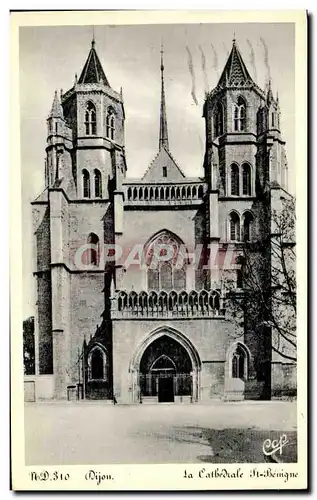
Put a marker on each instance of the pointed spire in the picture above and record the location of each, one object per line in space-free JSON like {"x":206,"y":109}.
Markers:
{"x":269,"y":95}
{"x":163,"y":141}
{"x":235,"y":71}
{"x":93,"y":71}
{"x":57,"y":110}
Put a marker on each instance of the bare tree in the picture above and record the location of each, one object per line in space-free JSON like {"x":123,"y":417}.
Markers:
{"x":264,"y":302}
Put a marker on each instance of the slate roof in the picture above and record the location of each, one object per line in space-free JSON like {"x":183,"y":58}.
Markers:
{"x":93,"y":71}
{"x":235,"y":72}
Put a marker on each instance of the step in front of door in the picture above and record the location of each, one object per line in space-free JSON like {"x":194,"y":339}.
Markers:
{"x":149,"y":399}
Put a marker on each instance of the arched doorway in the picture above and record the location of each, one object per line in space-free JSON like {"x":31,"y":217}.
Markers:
{"x":165,"y":368}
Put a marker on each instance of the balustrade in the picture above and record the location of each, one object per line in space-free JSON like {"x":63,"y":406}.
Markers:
{"x":164,"y":193}
{"x":207,"y":303}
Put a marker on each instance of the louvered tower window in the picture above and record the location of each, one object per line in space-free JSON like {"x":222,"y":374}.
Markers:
{"x":90,"y":119}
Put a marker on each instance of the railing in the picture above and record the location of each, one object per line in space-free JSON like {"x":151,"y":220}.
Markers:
{"x":154,"y":193}
{"x":205,"y":303}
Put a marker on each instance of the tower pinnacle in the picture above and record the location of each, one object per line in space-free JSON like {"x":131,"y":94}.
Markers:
{"x":57,"y":110}
{"x":163,"y":141}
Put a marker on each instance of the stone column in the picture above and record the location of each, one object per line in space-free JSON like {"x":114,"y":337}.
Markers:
{"x":135,"y":386}
{"x":60,"y":389}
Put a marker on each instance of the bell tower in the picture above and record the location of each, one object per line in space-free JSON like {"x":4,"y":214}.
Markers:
{"x":95,"y":114}
{"x":230,"y":113}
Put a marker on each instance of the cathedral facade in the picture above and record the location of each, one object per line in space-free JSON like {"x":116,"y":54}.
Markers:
{"x":131,"y":273}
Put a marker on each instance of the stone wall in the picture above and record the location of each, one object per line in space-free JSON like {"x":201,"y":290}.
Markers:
{"x":210,"y":339}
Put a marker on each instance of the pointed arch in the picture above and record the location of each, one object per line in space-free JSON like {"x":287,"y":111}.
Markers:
{"x":248,"y":220}
{"x":110,"y":123}
{"x":86,"y":183}
{"x":246,"y":179}
{"x":97,"y":183}
{"x":234,"y":226}
{"x":170,"y":332}
{"x":97,"y":363}
{"x":239,"y":115}
{"x":234,"y":179}
{"x":166,"y":234}
{"x":169,"y":363}
{"x":90,"y":118}
{"x":169,"y":274}
{"x":238,"y":360}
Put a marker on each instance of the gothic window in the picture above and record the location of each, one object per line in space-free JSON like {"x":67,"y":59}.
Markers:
{"x":239,"y":115}
{"x":164,"y":171}
{"x":273,"y":120}
{"x":97,"y":363}
{"x":86,"y":183}
{"x":246,"y":179}
{"x":234,"y":179}
{"x":90,"y":119}
{"x":166,"y":274}
{"x":110,"y":124}
{"x":218,"y":120}
{"x":98,"y":183}
{"x":234,"y":225}
{"x":247,"y":226}
{"x":153,"y":279}
{"x":93,"y":250}
{"x":239,"y":363}
{"x":179,"y":279}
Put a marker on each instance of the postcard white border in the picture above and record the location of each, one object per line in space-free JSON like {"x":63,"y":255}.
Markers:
{"x":156,"y":477}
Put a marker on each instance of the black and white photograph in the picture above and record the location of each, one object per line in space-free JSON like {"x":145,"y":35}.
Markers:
{"x":160,"y":222}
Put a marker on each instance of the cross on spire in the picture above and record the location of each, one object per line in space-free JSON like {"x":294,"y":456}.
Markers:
{"x":163,"y":140}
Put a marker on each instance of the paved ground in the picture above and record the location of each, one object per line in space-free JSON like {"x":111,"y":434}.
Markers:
{"x":95,"y":433}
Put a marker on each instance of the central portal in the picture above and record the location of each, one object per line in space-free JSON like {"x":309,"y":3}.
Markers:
{"x":166,"y":389}
{"x":165,"y":372}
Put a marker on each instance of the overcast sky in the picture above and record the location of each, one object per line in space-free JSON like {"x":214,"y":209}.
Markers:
{"x":50,"y":57}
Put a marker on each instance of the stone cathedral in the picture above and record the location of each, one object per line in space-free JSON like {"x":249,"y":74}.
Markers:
{"x":115,"y":318}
